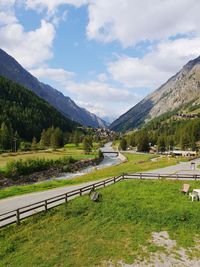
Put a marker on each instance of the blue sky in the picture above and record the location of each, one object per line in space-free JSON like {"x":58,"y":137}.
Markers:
{"x":105,"y":55}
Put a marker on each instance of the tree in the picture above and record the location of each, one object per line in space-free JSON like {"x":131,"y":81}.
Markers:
{"x":87,"y":146}
{"x":34,"y":144}
{"x":76,"y":138}
{"x":143,"y":142}
{"x":185,"y":141}
{"x":56,"y":138}
{"x":123,"y":144}
{"x":5,"y":137}
{"x":25,"y":146}
{"x":161,"y":144}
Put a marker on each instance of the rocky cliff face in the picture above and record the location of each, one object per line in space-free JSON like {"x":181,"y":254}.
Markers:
{"x":12,"y":70}
{"x":178,"y":91}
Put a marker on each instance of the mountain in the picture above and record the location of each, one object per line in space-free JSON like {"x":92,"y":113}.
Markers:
{"x":180,"y":90}
{"x":27,"y":113}
{"x":12,"y":70}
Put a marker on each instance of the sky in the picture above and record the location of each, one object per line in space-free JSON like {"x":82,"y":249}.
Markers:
{"x":105,"y":54}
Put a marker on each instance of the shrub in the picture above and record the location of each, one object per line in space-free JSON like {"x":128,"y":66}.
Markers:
{"x":23,"y":167}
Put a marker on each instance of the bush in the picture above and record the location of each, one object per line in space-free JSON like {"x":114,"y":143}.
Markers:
{"x":100,"y":154}
{"x":23,"y":167}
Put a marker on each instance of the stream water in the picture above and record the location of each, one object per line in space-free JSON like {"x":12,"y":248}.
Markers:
{"x":109,"y":160}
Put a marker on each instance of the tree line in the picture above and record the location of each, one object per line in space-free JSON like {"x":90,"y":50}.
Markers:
{"x":165,"y":135}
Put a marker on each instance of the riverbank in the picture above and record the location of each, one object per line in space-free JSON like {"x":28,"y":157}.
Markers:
{"x":49,"y":174}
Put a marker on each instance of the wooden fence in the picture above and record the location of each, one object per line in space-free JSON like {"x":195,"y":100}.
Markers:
{"x":162,"y":176}
{"x":15,"y":216}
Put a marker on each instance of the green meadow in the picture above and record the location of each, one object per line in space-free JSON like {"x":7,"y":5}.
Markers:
{"x":118,"y":228}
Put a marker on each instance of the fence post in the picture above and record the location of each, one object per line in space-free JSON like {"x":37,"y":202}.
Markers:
{"x":140,"y":176}
{"x":45,"y":205}
{"x":66,"y":198}
{"x":104,"y":183}
{"x":17,"y":216}
{"x":114,"y":179}
{"x":158,"y":176}
{"x":80,"y":192}
{"x":123,"y":176}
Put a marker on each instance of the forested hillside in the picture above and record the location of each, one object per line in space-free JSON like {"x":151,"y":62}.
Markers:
{"x":168,"y":131}
{"x":27,"y":114}
{"x":13,"y":71}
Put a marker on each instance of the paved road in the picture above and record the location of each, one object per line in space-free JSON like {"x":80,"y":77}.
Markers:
{"x":181,"y":168}
{"x":13,"y":203}
{"x":16,"y":202}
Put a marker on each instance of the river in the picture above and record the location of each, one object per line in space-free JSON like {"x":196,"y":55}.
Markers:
{"x":109,"y":160}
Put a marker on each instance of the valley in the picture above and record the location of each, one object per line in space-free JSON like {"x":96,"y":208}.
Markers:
{"x":99,"y":133}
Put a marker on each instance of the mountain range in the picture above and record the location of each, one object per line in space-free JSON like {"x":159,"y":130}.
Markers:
{"x":27,"y":114}
{"x":12,"y":70}
{"x":180,"y":90}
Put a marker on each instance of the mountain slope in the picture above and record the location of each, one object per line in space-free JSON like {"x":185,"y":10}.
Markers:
{"x":12,"y":70}
{"x":178,"y":91}
{"x":27,"y":113}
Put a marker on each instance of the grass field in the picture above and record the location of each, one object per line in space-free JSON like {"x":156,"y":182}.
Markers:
{"x":136,"y":163}
{"x":69,"y":150}
{"x":119,"y":227}
{"x":51,"y":154}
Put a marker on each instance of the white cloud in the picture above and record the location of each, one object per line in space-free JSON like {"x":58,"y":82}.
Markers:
{"x":133,"y":21}
{"x":52,"y":5}
{"x":108,"y":112}
{"x":57,"y":75}
{"x":163,"y":61}
{"x":102,"y":98}
{"x":7,"y":15}
{"x":98,"y":97}
{"x":102,"y":77}
{"x":100,"y":91}
{"x":29,"y":48}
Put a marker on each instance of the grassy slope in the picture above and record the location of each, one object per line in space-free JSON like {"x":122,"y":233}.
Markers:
{"x":136,"y":163}
{"x":84,"y":233}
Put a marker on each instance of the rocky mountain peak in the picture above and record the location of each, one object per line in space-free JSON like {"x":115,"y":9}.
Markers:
{"x":179,"y":90}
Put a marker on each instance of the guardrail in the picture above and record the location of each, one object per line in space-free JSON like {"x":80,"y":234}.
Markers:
{"x":15,"y":216}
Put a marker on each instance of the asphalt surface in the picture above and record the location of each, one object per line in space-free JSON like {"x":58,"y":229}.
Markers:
{"x":181,"y":168}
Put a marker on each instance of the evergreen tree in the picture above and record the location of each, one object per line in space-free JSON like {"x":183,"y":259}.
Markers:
{"x":143,"y":142}
{"x":43,"y":141}
{"x":34,"y":144}
{"x":123,"y":144}
{"x":56,"y":138}
{"x":76,"y":138}
{"x":5,"y":137}
{"x":161,"y":144}
{"x":87,"y":147}
{"x":185,"y":141}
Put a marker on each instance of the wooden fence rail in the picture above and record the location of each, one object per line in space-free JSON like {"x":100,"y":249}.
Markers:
{"x":15,"y":216}
{"x":161,"y":176}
